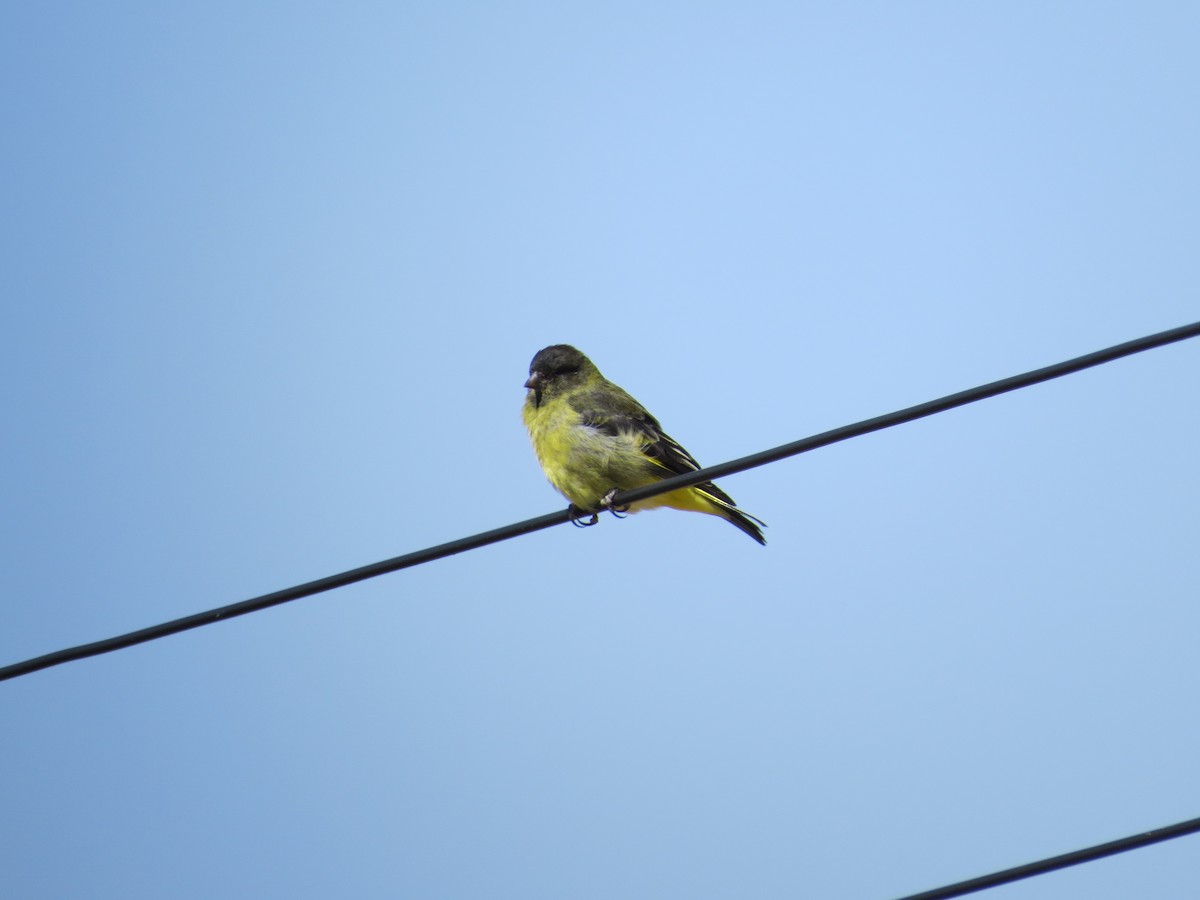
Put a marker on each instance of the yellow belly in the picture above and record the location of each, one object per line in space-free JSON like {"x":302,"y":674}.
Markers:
{"x":584,"y":463}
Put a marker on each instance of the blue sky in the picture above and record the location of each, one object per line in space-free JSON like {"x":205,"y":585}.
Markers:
{"x":273,"y":275}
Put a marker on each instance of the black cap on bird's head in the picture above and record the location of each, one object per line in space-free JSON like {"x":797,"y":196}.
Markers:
{"x":555,"y":367}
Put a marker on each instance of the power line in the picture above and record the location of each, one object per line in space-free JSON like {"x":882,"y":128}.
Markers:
{"x":962,"y":398}
{"x":516,"y":529}
{"x":307,"y":589}
{"x":1029,"y":870}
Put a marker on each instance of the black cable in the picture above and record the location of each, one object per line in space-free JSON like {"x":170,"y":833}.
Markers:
{"x":1029,"y":870}
{"x":962,"y":398}
{"x":668,"y":484}
{"x":283,"y":596}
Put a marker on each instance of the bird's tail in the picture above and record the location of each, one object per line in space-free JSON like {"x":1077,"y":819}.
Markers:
{"x":747,"y":523}
{"x":710,"y":499}
{"x":722,"y":505}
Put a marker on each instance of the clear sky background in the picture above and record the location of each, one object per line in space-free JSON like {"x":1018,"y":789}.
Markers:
{"x":272,"y":277}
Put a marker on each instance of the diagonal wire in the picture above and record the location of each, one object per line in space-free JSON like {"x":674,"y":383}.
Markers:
{"x":516,"y":529}
{"x":920,"y":411}
{"x":1074,"y":858}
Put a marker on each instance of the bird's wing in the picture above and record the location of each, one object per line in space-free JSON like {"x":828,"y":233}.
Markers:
{"x":659,"y":447}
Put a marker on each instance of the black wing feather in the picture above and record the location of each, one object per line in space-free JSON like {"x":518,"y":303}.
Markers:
{"x":659,"y":445}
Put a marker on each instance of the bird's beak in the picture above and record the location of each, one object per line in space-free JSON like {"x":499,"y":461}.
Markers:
{"x":535,"y":384}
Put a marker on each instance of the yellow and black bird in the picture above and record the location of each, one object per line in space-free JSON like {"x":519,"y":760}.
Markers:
{"x":594,"y":440}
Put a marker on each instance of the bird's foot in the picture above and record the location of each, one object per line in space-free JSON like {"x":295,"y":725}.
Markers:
{"x":578,"y":517}
{"x":607,"y":503}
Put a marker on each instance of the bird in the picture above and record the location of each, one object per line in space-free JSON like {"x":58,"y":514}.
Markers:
{"x":593,"y":440}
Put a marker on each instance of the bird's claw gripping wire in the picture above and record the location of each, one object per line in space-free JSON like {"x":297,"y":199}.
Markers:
{"x":577,"y":517}
{"x":580,"y":517}
{"x":606,"y":502}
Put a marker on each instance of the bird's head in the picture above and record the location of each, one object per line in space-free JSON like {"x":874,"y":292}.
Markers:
{"x":556,"y":369}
